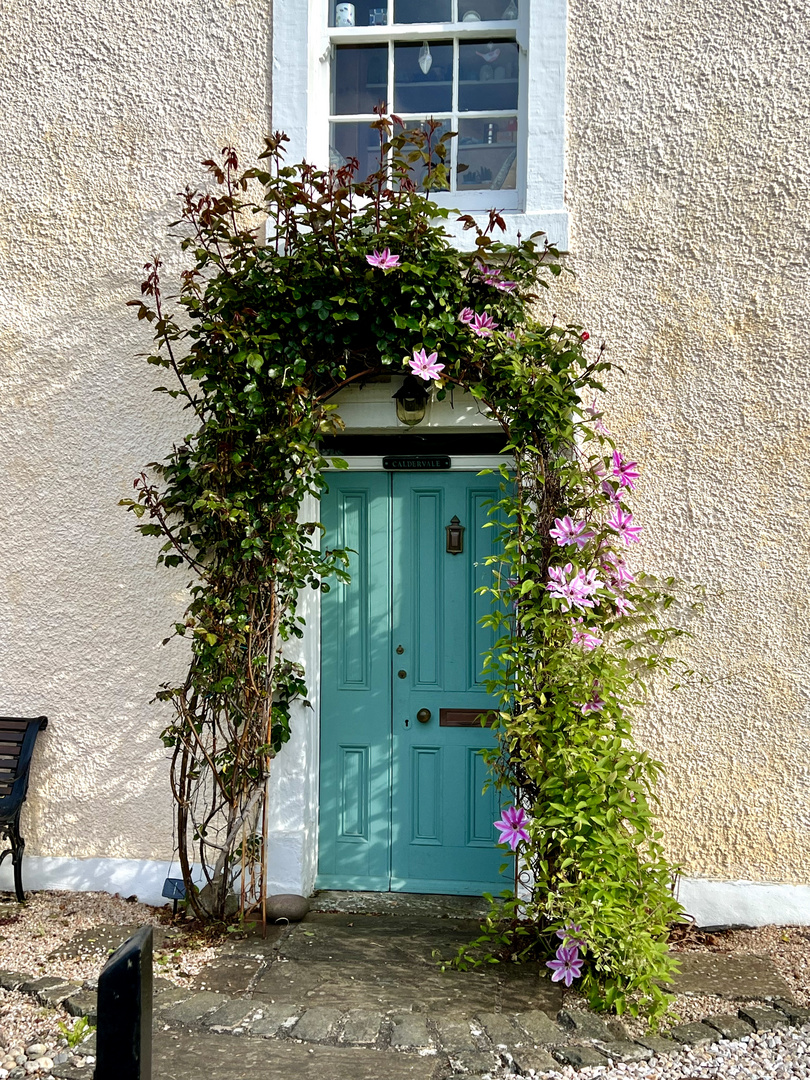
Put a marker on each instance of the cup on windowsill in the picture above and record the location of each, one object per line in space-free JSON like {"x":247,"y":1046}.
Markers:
{"x":344,"y":15}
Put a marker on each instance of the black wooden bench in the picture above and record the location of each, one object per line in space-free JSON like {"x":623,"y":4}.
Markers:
{"x":17,"y":737}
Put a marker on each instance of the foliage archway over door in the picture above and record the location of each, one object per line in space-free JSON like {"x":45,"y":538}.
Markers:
{"x":354,"y":278}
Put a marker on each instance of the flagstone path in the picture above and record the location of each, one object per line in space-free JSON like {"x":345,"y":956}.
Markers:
{"x":359,"y":994}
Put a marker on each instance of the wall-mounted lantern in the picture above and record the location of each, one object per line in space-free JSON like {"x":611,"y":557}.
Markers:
{"x":455,"y":536}
{"x":411,"y":399}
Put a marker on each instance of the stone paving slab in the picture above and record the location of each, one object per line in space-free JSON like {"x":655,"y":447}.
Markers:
{"x":500,"y":1029}
{"x":361,"y":1028}
{"x":579,"y":1056}
{"x":624,"y":1050}
{"x":764,"y":1019}
{"x":659,"y":1045}
{"x":729,"y":975}
{"x":84,"y":1003}
{"x":206,"y":1056}
{"x":232,"y":1014}
{"x":195,"y":1008}
{"x":274,"y":1019}
{"x":729,"y":1026}
{"x":410,"y":1032}
{"x":541,"y":1028}
{"x":694,"y":1034}
{"x":455,"y":1035}
{"x":416,"y":904}
{"x":406,"y":987}
{"x":316,"y":1025}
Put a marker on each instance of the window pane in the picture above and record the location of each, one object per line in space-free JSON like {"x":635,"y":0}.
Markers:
{"x":419,"y":168}
{"x":423,"y":78}
{"x":362,"y":13}
{"x":356,"y":140}
{"x":359,"y":78}
{"x":488,"y":148}
{"x":488,"y":76}
{"x":418,"y":11}
{"x":487,"y":10}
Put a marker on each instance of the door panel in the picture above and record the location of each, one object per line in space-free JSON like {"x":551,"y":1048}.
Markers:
{"x":420,"y":648}
{"x":354,"y":835}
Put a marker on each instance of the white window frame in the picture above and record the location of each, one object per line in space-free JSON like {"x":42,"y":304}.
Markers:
{"x":302,"y":50}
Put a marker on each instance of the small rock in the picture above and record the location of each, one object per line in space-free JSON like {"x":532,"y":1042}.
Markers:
{"x":44,"y":1063}
{"x":288,"y":906}
{"x":35,"y":1050}
{"x":17,"y":1074}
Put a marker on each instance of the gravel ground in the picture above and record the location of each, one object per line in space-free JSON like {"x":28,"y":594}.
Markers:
{"x":31,"y":1037}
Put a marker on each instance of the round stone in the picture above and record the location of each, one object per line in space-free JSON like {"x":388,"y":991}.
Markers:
{"x":35,"y":1050}
{"x":288,"y":906}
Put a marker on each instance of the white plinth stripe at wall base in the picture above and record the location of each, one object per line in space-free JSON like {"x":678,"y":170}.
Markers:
{"x":744,"y":903}
{"x":710,"y":903}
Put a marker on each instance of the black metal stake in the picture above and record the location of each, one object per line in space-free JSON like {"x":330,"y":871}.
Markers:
{"x":124,"y":1034}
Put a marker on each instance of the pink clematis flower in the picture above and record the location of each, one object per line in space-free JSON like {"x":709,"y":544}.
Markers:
{"x":575,"y":591}
{"x":567,"y":966}
{"x":566,"y":532}
{"x":625,"y":471}
{"x":383,"y":260}
{"x":482,"y":325}
{"x":504,"y":286}
{"x":512,"y":826}
{"x":623,"y":524}
{"x":466,"y":315}
{"x":594,"y":414}
{"x":511,"y":335}
{"x":583,"y":637}
{"x":595,"y":704}
{"x":623,"y":606}
{"x":425,"y":366}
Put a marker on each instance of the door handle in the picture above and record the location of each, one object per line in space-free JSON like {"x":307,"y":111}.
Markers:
{"x":423,"y":716}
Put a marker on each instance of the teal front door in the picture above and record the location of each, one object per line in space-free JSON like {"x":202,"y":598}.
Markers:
{"x":401,"y":801}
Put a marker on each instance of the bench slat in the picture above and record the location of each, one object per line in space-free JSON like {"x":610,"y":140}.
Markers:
{"x":10,"y":749}
{"x":12,"y":725}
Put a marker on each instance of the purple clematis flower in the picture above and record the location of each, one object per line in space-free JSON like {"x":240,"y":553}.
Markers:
{"x":623,"y":524}
{"x":383,"y":260}
{"x":466,"y":315}
{"x":570,"y":936}
{"x":625,"y":471}
{"x":511,"y":826}
{"x":567,"y":966}
{"x":610,"y":492}
{"x":504,"y":286}
{"x":566,"y":532}
{"x":482,"y":325}
{"x":425,"y":366}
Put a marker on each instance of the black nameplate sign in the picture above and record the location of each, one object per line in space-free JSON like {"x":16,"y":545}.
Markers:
{"x":422,"y":461}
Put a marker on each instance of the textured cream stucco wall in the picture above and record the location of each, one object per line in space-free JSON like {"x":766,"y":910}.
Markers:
{"x":107,"y":110}
{"x":687,"y":181}
{"x":689,"y":144}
